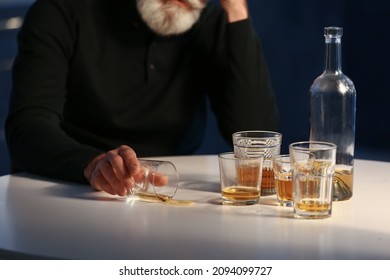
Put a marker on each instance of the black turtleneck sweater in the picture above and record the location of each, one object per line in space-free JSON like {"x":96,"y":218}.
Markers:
{"x":90,"y":76}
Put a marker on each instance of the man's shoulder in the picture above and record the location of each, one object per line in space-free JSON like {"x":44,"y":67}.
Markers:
{"x":213,"y":9}
{"x":212,"y":13}
{"x":64,"y":7}
{"x":69,"y":4}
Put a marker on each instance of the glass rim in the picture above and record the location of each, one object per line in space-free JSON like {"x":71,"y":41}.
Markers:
{"x":274,"y":133}
{"x":265,"y":139}
{"x":282,"y":156}
{"x":323,"y":146}
{"x":282,"y":159}
{"x":232,"y":156}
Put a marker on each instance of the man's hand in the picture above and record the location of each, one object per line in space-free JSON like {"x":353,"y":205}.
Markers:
{"x":235,"y":9}
{"x":114,"y":171}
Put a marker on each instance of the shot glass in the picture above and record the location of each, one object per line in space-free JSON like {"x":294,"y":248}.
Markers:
{"x":157,"y":182}
{"x":240,"y":179}
{"x":313,"y":170}
{"x":263,"y":143}
{"x":283,"y":179}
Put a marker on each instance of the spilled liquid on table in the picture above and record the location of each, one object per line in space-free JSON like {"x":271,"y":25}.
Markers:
{"x":152,"y":197}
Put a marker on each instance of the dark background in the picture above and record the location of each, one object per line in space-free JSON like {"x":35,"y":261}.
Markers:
{"x":292,"y":39}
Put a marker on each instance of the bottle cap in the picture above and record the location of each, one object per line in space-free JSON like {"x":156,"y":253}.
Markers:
{"x":333,"y":31}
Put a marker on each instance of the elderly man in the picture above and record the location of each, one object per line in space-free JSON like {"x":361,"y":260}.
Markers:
{"x":99,"y":83}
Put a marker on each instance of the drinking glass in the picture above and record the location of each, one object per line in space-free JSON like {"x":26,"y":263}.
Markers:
{"x":240,"y":179}
{"x":283,"y":179}
{"x":313,"y":169}
{"x":158,"y":181}
{"x":264,"y":143}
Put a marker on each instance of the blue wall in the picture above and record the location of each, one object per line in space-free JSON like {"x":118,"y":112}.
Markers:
{"x":8,"y":9}
{"x":292,"y":38}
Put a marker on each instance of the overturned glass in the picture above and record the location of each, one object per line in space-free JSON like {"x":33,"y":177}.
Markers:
{"x":158,"y":181}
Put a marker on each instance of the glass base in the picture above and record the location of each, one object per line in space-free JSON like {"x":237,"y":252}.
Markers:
{"x":239,"y":202}
{"x":312,"y":215}
{"x":340,"y":192}
{"x":287,"y":203}
{"x":342,"y":184}
{"x":267,"y":191}
{"x":341,"y":198}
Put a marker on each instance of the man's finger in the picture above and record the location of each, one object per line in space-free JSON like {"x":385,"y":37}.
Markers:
{"x":158,"y":179}
{"x":130,"y":160}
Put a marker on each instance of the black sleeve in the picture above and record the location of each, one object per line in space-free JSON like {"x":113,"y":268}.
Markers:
{"x":242,"y":96}
{"x":34,"y":136}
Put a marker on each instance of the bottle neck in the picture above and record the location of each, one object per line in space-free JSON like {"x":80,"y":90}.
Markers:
{"x":333,"y":55}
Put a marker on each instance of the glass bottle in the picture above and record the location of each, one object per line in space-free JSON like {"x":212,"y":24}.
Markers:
{"x":333,"y":113}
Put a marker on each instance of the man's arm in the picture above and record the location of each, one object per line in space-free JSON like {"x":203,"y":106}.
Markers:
{"x":35,"y":139}
{"x":241,"y":93}
{"x":236,"y":10}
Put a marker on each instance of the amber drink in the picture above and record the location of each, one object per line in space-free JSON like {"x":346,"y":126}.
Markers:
{"x":342,"y":183}
{"x":240,"y":179}
{"x":239,"y":194}
{"x":264,"y":143}
{"x":313,"y":166}
{"x":283,"y":179}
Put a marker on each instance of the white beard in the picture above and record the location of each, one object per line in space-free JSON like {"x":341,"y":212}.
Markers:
{"x":167,"y":18}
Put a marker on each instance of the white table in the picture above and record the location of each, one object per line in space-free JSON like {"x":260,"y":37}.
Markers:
{"x":51,"y":219}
